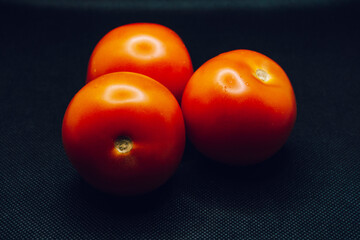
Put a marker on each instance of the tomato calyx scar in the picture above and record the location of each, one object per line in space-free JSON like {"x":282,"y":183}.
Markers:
{"x":123,"y":144}
{"x":262,"y":75}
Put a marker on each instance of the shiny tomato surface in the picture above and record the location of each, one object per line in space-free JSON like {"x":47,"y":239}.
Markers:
{"x":124,"y":133}
{"x":239,"y":108}
{"x":147,"y":48}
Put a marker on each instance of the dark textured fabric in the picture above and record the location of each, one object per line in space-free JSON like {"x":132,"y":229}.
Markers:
{"x":309,"y":189}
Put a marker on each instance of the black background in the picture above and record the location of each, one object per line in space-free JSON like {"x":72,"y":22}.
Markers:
{"x":309,"y":189}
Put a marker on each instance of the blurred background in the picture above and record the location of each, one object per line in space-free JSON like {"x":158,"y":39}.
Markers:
{"x":309,"y":189}
{"x":179,"y":4}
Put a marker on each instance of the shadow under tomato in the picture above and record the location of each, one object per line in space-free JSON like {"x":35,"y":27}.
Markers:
{"x":247,"y":189}
{"x":277,"y":166}
{"x":125,"y":204}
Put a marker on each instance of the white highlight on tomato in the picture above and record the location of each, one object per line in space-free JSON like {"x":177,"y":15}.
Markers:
{"x":145,"y":47}
{"x":123,"y":93}
{"x":230,"y":80}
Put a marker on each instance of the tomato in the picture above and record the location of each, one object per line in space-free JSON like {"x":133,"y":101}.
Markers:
{"x":239,"y":108}
{"x":150,"y":49}
{"x":124,"y":133}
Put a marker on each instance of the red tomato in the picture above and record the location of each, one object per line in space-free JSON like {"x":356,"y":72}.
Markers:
{"x":124,"y":133}
{"x":150,"y":49}
{"x":239,"y":107}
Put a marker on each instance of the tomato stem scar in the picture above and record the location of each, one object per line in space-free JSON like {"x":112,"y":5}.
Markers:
{"x":262,"y":75}
{"x":123,"y":144}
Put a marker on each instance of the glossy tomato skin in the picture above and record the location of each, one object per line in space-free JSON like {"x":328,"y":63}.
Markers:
{"x":239,"y":108}
{"x":124,"y":106}
{"x":147,"y":48}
